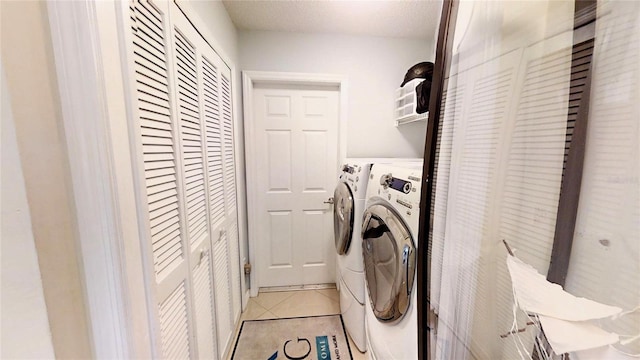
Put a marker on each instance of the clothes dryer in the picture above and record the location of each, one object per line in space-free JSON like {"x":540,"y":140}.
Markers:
{"x":349,"y":202}
{"x":389,"y":246}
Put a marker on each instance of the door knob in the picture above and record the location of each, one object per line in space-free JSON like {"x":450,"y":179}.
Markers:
{"x":329,"y":201}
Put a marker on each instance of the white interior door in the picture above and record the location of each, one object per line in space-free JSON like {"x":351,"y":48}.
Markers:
{"x":296,"y":162}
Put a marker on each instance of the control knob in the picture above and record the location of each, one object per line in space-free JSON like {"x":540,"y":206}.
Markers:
{"x":385,"y":180}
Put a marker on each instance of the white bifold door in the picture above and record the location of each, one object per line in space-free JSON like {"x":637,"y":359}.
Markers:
{"x":184,"y":143}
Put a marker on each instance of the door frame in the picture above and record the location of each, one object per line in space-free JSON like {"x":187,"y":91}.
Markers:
{"x":249,"y":81}
{"x":94,"y":118}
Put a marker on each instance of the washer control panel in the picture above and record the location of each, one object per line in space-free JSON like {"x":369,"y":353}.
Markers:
{"x":356,"y":175}
{"x":352,"y":173}
{"x":348,"y":168}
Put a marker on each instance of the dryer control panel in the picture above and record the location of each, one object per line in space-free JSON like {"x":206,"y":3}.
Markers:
{"x":400,"y":187}
{"x":404,"y":186}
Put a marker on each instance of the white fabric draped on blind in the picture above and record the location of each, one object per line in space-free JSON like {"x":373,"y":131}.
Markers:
{"x":500,"y":168}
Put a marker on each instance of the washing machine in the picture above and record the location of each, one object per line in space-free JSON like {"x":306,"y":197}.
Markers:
{"x":349,"y":202}
{"x":389,"y":247}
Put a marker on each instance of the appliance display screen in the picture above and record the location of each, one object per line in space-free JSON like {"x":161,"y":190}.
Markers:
{"x":398,"y":184}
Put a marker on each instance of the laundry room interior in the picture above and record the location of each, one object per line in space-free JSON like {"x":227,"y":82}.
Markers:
{"x":234,"y":179}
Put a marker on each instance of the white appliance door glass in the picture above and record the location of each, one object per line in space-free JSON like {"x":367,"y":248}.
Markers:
{"x":389,"y":262}
{"x":343,"y":217}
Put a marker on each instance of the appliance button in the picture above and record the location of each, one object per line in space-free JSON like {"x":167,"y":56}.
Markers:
{"x":404,"y":203}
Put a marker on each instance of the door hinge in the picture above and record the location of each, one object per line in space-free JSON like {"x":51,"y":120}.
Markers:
{"x":247,"y":268}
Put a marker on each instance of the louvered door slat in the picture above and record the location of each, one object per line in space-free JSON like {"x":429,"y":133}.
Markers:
{"x":152,"y":89}
{"x":152,"y":105}
{"x":149,"y":50}
{"x":161,"y":205}
{"x":150,"y":63}
{"x":143,"y":76}
{"x":155,"y":132}
{"x":161,"y":190}
{"x":160,"y":164}
{"x":166,"y":234}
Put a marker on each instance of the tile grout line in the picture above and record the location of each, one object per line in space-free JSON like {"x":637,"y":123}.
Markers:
{"x":278,"y":303}
{"x":327,"y":296}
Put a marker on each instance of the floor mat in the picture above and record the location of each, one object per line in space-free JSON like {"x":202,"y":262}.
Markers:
{"x":310,"y":337}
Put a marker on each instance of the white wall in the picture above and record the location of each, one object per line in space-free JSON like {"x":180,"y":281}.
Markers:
{"x":219,"y":27}
{"x":374,"y":67}
{"x":25,"y":326}
{"x":31,"y":80}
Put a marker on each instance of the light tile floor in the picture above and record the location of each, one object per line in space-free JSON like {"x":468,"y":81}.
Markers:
{"x":283,"y":304}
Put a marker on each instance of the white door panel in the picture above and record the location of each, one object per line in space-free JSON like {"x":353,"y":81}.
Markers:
{"x":296,"y":157}
{"x":157,"y":146}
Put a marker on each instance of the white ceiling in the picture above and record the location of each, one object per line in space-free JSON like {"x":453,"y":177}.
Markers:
{"x":390,"y":18}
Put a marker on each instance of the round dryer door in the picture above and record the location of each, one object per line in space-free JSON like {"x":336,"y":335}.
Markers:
{"x":389,"y":262}
{"x":342,"y":217}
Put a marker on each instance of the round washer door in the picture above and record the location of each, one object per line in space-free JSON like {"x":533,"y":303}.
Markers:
{"x":342,"y":217}
{"x":389,"y":262}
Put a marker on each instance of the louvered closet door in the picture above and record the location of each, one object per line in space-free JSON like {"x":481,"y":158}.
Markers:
{"x":222,"y":194}
{"x":216,"y":197}
{"x":188,"y":48}
{"x":159,"y":155}
{"x":206,"y":123}
{"x":230,"y":189}
{"x":184,"y":138}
